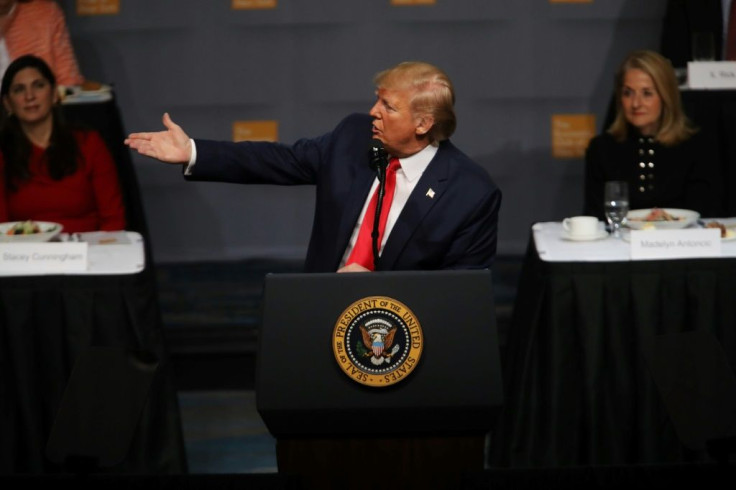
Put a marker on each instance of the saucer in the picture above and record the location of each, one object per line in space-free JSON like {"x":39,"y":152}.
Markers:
{"x":584,"y":238}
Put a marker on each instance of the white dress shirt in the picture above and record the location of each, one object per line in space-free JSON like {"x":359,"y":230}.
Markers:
{"x":407,"y":177}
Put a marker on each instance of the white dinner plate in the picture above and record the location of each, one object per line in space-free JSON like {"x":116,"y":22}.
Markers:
{"x":75,"y":95}
{"x":685,"y":218}
{"x":728,"y":223}
{"x":48,"y":231}
{"x":584,"y":238}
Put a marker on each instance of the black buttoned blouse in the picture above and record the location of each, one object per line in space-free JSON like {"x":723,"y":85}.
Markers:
{"x":681,"y":176}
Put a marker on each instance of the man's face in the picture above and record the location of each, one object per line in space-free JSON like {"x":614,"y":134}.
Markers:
{"x":401,"y":133}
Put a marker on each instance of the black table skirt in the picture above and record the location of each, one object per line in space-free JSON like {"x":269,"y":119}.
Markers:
{"x":578,"y":391}
{"x":45,"y":323}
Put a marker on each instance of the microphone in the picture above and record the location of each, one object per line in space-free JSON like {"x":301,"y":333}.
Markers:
{"x":379,"y":157}
{"x":379,"y":163}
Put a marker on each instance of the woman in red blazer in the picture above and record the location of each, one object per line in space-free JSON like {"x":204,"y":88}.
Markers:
{"x":50,"y":172}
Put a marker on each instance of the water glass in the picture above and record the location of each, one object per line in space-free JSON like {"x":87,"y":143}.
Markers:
{"x":703,"y":46}
{"x":616,"y":204}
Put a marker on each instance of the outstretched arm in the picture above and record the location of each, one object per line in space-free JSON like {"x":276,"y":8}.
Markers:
{"x":170,"y":146}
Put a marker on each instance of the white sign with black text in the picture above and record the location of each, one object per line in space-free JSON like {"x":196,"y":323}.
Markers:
{"x":711,"y":74}
{"x":46,"y":258}
{"x":675,"y":244}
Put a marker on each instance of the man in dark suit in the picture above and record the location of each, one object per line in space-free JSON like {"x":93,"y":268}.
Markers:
{"x":445,"y":211}
{"x":683,"y":19}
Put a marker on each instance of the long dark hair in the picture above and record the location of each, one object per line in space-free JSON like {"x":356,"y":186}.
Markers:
{"x":62,"y":153}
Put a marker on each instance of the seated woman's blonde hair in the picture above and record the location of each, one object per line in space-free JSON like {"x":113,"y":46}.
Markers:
{"x":674,"y":126}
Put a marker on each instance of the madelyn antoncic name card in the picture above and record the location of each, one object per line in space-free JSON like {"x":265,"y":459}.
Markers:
{"x":675,"y":244}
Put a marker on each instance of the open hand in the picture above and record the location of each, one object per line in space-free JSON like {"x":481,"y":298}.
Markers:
{"x":170,"y":146}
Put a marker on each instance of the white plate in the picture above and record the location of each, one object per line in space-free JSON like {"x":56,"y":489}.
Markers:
{"x":584,"y":238}
{"x":686,"y":218}
{"x":727,"y":222}
{"x":48,"y":231}
{"x":75,"y":95}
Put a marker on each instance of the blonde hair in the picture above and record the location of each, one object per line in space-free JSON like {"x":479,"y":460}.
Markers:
{"x":433,"y":94}
{"x":674,"y":126}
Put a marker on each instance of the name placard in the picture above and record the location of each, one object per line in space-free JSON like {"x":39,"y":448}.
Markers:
{"x":675,"y":244}
{"x":711,"y":74}
{"x":43,"y":258}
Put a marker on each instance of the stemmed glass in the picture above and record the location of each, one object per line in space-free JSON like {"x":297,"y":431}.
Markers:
{"x":616,"y":204}
{"x":703,"y":46}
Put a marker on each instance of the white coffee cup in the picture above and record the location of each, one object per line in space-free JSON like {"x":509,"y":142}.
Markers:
{"x":581,"y":226}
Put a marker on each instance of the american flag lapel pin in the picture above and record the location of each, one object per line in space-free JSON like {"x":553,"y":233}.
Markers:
{"x":430,"y":193}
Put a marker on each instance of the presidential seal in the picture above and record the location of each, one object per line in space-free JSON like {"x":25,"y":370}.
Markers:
{"x":377,"y":341}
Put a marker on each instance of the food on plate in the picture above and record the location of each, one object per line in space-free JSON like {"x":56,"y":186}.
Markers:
{"x":716,"y":224}
{"x":90,"y":86}
{"x":28,"y":227}
{"x":657,"y":214}
{"x":24,"y":228}
{"x":725,"y":232}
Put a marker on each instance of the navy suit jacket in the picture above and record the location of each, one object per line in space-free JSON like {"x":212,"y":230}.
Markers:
{"x":449,"y":221}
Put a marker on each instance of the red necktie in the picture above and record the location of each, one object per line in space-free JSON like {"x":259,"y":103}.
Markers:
{"x":731,"y":34}
{"x":363,"y":250}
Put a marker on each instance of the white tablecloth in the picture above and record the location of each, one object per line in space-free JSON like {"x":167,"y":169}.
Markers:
{"x":552,"y":247}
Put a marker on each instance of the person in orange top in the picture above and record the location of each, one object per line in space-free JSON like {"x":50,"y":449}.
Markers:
{"x":38,"y":27}
{"x":49,"y":172}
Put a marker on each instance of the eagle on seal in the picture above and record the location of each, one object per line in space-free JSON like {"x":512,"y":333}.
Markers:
{"x":378,"y":340}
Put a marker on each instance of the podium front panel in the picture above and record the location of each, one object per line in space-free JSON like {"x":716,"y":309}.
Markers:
{"x":454,"y":388}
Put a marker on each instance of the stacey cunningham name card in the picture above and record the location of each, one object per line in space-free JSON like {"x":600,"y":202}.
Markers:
{"x":675,"y":244}
{"x":43,"y":258}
